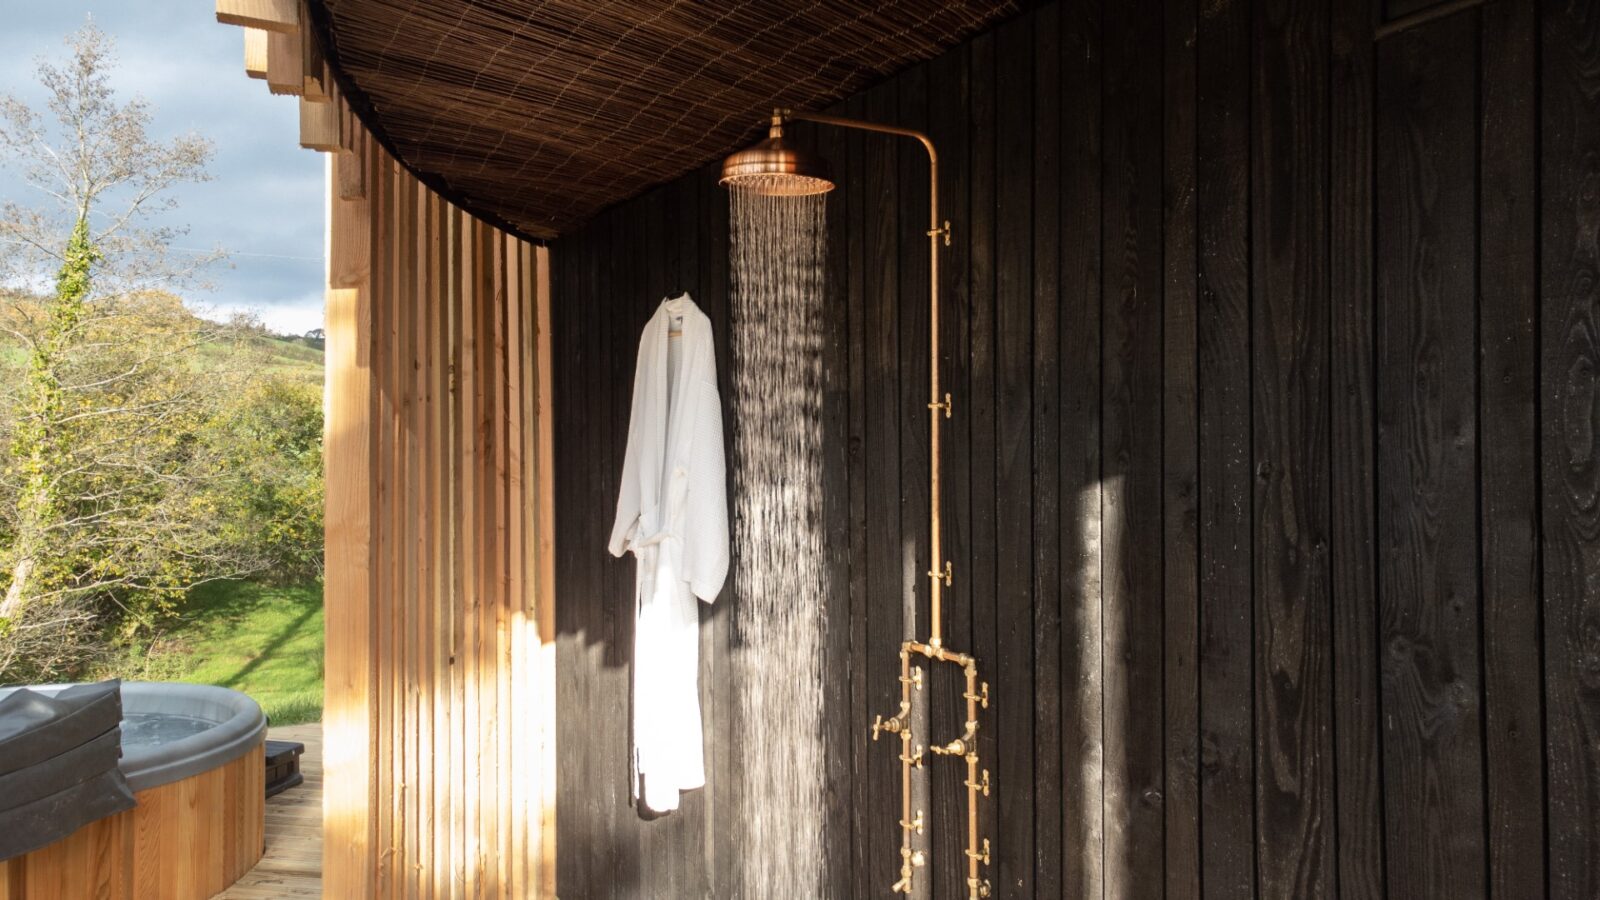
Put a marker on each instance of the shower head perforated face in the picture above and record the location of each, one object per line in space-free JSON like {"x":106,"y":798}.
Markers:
{"x":776,"y":168}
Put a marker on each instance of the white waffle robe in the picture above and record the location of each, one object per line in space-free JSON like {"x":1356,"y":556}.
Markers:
{"x":672,"y":514}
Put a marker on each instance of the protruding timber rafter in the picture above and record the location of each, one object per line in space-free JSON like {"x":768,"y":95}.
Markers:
{"x":279,"y":47}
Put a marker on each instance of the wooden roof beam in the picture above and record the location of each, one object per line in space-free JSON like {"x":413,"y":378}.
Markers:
{"x":255,"y":53}
{"x":269,"y":15}
{"x":285,"y":67}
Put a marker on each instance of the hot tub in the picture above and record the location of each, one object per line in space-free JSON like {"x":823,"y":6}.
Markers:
{"x":193,"y":756}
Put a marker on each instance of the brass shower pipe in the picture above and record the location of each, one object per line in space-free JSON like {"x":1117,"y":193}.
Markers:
{"x":940,"y":572}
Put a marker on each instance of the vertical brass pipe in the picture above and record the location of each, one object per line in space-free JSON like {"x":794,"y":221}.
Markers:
{"x":939,"y":573}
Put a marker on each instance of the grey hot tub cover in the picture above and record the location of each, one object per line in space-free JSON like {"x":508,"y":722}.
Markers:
{"x":58,"y":764}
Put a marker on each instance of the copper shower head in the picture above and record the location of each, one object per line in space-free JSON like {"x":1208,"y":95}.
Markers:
{"x":777,"y":168}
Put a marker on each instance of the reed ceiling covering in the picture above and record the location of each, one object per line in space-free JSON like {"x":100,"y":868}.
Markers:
{"x":540,"y":114}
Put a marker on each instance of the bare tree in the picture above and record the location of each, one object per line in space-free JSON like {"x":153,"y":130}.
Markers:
{"x":107,"y":471}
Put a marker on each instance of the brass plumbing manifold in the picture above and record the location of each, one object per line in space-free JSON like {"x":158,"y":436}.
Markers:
{"x":940,"y":576}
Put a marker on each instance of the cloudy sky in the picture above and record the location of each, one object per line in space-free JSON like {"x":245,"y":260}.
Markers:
{"x":265,"y":204}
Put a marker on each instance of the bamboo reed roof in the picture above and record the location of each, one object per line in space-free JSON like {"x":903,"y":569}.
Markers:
{"x":540,"y":113}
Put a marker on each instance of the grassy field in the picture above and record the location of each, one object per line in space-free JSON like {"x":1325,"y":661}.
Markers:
{"x":262,"y":640}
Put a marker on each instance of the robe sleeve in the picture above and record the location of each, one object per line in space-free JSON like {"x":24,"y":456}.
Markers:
{"x":628,"y":495}
{"x":706,"y":548}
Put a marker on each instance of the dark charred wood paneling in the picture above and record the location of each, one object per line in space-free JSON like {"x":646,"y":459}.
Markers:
{"x":1270,"y":490}
{"x":1569,"y":415}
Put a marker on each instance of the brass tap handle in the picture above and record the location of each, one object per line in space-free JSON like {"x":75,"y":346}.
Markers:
{"x":980,"y":857}
{"x":982,"y":784}
{"x":893,"y":725}
{"x":981,"y":697}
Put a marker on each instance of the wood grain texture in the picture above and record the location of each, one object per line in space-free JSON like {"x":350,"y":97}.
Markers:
{"x":1226,"y":630}
{"x":186,"y":840}
{"x":1078,"y":431}
{"x":1131,"y":477}
{"x":436,"y":652}
{"x":1180,"y":453}
{"x":1186,"y":262}
{"x":1045,"y":453}
{"x":1352,"y":432}
{"x":1289,"y":381}
{"x":1427,"y":519}
{"x":1508,"y":510}
{"x":1569,"y":349}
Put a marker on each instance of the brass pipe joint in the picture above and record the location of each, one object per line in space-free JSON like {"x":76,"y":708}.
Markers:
{"x":982,"y":784}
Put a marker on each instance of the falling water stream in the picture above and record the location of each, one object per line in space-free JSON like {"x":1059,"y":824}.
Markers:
{"x":777,"y":248}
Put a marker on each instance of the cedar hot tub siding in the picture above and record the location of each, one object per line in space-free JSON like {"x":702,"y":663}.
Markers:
{"x":1270,"y":480}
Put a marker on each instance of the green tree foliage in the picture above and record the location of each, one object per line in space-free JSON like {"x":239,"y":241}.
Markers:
{"x":271,"y":439}
{"x":143,"y":450}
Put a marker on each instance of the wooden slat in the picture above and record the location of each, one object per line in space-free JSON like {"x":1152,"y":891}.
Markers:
{"x":255,"y":52}
{"x":1222,"y":125}
{"x":316,"y":84}
{"x":269,"y":15}
{"x":1048,"y":489}
{"x":1508,"y":349}
{"x":1012,"y":675}
{"x":1569,"y":350}
{"x":1289,"y":324}
{"x":320,"y":126}
{"x":1179,"y":453}
{"x":182,"y":841}
{"x":285,"y":74}
{"x":1427,"y":517}
{"x":452,"y":694}
{"x":347,"y":705}
{"x":1131,"y":465}
{"x":1353,"y":550}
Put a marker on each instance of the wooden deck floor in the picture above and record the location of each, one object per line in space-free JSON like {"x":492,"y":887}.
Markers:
{"x":292,"y":865}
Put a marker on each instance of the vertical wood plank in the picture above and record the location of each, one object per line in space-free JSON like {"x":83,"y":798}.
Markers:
{"x":1427,"y":458}
{"x":981,"y":429}
{"x":1508,"y":415}
{"x":1353,"y":542}
{"x":544,"y":350}
{"x":1179,"y":453}
{"x":1289,"y":355}
{"x":885,"y":565}
{"x":1045,"y":451}
{"x":1082,"y":766}
{"x":1131,"y":461}
{"x":383,"y":650}
{"x":1226,"y":658}
{"x":347,"y":705}
{"x":1013,"y":675}
{"x":1569,"y":283}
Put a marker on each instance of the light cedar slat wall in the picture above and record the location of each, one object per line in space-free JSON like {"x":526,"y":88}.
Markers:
{"x":438,"y":719}
{"x":439,"y":666}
